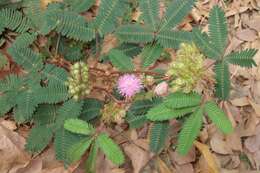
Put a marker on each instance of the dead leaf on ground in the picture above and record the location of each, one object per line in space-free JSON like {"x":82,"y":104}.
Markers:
{"x":180,"y":160}
{"x":247,"y":35}
{"x":163,"y":168}
{"x":204,"y":149}
{"x":138,"y":156}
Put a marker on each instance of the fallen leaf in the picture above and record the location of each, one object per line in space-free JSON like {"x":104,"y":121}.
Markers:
{"x":163,"y":168}
{"x":12,"y":154}
{"x":204,"y":149}
{"x":247,"y":35}
{"x":243,"y":101}
{"x":219,"y":145}
{"x":138,"y":156}
{"x":253,"y":23}
{"x":186,"y":168}
{"x":179,"y":159}
{"x":256,"y":107}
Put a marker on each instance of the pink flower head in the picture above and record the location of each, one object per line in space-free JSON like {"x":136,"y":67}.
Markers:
{"x":128,"y":85}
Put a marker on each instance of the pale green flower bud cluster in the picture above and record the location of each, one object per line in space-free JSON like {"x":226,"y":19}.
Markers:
{"x":113,"y":113}
{"x":187,"y":70}
{"x":78,"y":81}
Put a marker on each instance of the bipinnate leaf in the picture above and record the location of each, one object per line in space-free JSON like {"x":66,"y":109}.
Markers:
{"x":243,"y":58}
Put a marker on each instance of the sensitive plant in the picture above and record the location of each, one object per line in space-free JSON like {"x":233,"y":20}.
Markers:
{"x":48,"y":41}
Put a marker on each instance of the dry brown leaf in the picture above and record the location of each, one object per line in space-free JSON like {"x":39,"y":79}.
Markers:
{"x":256,"y":107}
{"x":12,"y":154}
{"x":35,"y":166}
{"x":179,"y":159}
{"x":204,"y":149}
{"x":163,"y":168}
{"x":11,"y":125}
{"x":254,"y":23}
{"x":247,"y":35}
{"x":186,"y":168}
{"x":243,"y":101}
{"x":233,"y":140}
{"x":219,"y":145}
{"x":138,"y":156}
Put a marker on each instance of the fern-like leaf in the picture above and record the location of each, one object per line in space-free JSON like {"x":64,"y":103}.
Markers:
{"x":78,"y":126}
{"x":53,"y":94}
{"x":26,"y":57}
{"x":135,"y":34}
{"x":39,"y":137}
{"x":108,"y":14}
{"x":91,"y":109}
{"x":189,"y":132}
{"x":111,"y":149}
{"x":63,"y":141}
{"x":218,"y":28}
{"x":158,"y":136}
{"x":68,"y":24}
{"x":243,"y":58}
{"x":172,"y":39}
{"x":203,"y":42}
{"x":14,"y":20}
{"x":218,"y":117}
{"x":162,"y":112}
{"x":120,"y":60}
{"x":150,"y":12}
{"x":182,"y":100}
{"x":79,"y":6}
{"x":222,"y":80}
{"x":76,"y":151}
{"x":175,"y":13}
{"x":150,"y":54}
{"x":92,"y":157}
{"x":45,"y":115}
{"x":24,"y":40}
{"x":130,"y":49}
{"x":55,"y":75}
{"x":70,"y":109}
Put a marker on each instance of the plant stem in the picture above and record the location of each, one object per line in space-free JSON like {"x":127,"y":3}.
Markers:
{"x":57,"y":46}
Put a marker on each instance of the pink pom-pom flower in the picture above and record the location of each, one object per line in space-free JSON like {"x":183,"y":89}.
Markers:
{"x":129,"y":85}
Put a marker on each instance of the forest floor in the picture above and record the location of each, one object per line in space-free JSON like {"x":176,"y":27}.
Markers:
{"x":215,"y":153}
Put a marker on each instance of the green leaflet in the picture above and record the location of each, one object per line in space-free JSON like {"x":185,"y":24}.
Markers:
{"x":150,"y":12}
{"x":172,"y":39}
{"x":189,"y":132}
{"x":181,"y":100}
{"x":90,"y":165}
{"x":80,"y":6}
{"x":150,"y":54}
{"x":76,"y":151}
{"x":175,"y":13}
{"x":162,"y":112}
{"x":218,"y":28}
{"x":110,"y":11}
{"x":223,"y":80}
{"x":203,"y":42}
{"x":218,"y":117}
{"x":111,"y":149}
{"x":120,"y":60}
{"x":91,"y":109}
{"x":70,"y":109}
{"x":135,"y":34}
{"x":243,"y":58}
{"x":63,"y":141}
{"x":3,"y":61}
{"x":39,"y":137}
{"x":158,"y":136}
{"x":78,"y":126}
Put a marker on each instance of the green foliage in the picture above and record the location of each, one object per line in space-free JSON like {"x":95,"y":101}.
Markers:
{"x":150,"y":12}
{"x":135,"y":115}
{"x":3,"y":61}
{"x":91,"y":109}
{"x":77,"y":150}
{"x":218,"y":117}
{"x":158,"y":136}
{"x":120,"y":60}
{"x":14,"y":20}
{"x":38,"y":139}
{"x":135,"y":34}
{"x":223,"y":81}
{"x":90,"y":165}
{"x":109,"y":12}
{"x":111,"y":149}
{"x":243,"y":58}
{"x":150,"y":54}
{"x":213,"y":46}
{"x":181,"y":100}
{"x":79,"y":6}
{"x":189,"y":132}
{"x":218,"y":28}
{"x":175,"y":13}
{"x":78,"y":126}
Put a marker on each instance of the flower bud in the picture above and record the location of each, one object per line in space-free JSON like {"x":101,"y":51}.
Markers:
{"x":161,"y":89}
